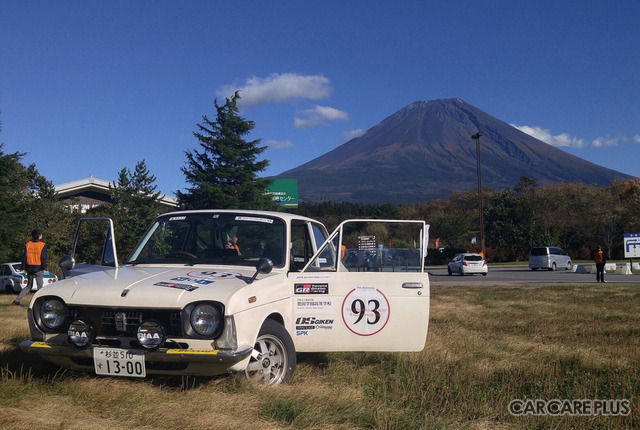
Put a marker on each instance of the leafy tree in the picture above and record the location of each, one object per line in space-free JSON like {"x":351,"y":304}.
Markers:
{"x":13,"y":205}
{"x":134,"y":206}
{"x":224,"y":173}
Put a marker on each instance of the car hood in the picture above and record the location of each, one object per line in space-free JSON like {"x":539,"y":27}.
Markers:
{"x":152,"y":286}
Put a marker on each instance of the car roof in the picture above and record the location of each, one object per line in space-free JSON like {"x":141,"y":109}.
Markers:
{"x":284,"y":215}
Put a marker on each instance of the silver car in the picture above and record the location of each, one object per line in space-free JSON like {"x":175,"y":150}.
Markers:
{"x":467,"y":264}
{"x":549,"y":258}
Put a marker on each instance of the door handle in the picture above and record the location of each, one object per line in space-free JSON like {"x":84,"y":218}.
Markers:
{"x":412,"y":285}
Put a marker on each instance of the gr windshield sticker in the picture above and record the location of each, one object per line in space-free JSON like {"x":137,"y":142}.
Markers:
{"x":256,"y":219}
{"x":365,"y":310}
{"x":177,"y":218}
{"x":185,"y":287}
{"x":214,"y":275}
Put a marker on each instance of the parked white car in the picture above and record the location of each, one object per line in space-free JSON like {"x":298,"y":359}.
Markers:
{"x":189,"y":302}
{"x":467,"y":264}
{"x":12,"y":280}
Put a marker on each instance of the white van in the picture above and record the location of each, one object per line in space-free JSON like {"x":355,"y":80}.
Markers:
{"x":549,"y":257}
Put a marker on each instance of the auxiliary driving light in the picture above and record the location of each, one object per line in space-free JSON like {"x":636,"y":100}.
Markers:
{"x":151,"y":335}
{"x":81,"y":333}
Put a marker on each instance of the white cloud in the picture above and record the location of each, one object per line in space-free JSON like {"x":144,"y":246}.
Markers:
{"x":279,"y":144}
{"x":602,"y":141}
{"x":563,"y":139}
{"x":352,"y":134}
{"x":279,"y":88}
{"x":543,"y":134}
{"x":318,"y":115}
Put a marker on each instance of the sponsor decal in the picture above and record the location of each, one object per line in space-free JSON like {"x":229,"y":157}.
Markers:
{"x":314,"y":323}
{"x":365,"y":310}
{"x":302,"y":278}
{"x":213,"y":274}
{"x":256,"y":219}
{"x":311,"y":288}
{"x":192,"y":281}
{"x":302,"y":333}
{"x":192,"y":351}
{"x":185,"y":287}
{"x":317,"y":305}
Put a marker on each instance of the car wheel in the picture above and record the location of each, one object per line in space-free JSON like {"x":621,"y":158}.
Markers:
{"x":449,"y":271}
{"x":534,"y":268}
{"x":273,"y":359}
{"x":461,"y":272}
{"x":484,"y":274}
{"x":8,"y":287}
{"x":553,"y":267}
{"x":569,"y":265}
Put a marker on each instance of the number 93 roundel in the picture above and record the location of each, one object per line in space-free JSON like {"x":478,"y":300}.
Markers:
{"x":365,"y":310}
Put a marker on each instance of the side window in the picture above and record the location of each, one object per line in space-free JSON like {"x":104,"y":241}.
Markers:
{"x":301,"y":246}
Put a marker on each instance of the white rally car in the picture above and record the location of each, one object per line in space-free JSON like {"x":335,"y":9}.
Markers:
{"x":215,"y":291}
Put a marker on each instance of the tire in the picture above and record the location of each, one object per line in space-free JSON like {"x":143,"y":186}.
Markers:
{"x":534,"y":268}
{"x":8,"y":287}
{"x":553,"y":267}
{"x":449,"y":271}
{"x":273,"y":359}
{"x":569,"y":265}
{"x":484,"y":274}
{"x":461,"y":272}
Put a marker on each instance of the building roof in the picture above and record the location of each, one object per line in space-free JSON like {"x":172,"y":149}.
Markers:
{"x":99,"y":186}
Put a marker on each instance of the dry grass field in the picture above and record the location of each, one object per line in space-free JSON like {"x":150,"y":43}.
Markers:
{"x":486,"y":347}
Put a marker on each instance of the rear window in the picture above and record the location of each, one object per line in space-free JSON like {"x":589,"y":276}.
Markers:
{"x":536,"y":252}
{"x":472,"y":258}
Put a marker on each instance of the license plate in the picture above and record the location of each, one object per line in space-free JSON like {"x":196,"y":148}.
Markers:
{"x":119,"y":362}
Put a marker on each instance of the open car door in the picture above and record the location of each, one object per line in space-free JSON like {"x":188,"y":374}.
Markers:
{"x":364,"y":290}
{"x":93,"y":249}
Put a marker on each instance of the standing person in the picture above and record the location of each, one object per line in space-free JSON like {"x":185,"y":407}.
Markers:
{"x":34,"y":263}
{"x":600,"y":260}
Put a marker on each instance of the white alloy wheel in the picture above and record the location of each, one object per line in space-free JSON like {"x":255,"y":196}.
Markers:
{"x":273,"y":359}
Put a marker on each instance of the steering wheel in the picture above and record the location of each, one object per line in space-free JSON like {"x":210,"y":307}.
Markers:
{"x":182,"y":254}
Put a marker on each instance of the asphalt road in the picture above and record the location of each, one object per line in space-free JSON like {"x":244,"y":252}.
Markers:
{"x":522,"y":275}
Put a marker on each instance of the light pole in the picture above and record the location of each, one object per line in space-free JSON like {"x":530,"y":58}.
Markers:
{"x":477,"y":138}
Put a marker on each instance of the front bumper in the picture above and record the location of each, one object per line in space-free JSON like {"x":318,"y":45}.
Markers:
{"x":164,"y":361}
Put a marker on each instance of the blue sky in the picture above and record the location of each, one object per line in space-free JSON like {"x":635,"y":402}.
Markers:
{"x":91,"y":87}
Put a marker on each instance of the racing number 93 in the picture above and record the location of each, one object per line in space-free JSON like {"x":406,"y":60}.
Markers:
{"x":365,"y":310}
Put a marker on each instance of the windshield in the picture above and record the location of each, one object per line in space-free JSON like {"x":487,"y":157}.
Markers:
{"x":212,"y":238}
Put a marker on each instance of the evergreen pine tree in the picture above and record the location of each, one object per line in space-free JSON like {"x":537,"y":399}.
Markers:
{"x":224,"y":174}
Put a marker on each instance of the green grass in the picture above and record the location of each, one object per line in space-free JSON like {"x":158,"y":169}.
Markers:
{"x":486,"y":346}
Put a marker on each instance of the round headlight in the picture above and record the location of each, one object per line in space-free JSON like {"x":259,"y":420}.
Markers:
{"x":151,"y":335}
{"x":81,"y":333}
{"x":205,"y":319}
{"x":53,"y":314}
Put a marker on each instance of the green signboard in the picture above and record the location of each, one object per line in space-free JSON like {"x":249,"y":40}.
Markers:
{"x":284,"y":192}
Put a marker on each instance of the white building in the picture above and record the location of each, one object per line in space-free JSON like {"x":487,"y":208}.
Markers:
{"x":91,"y":192}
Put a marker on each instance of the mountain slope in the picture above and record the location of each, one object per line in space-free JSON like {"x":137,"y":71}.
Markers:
{"x":425,"y":151}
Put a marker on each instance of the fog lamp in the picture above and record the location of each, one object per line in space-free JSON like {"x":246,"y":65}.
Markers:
{"x":151,"y":335}
{"x":81,"y":333}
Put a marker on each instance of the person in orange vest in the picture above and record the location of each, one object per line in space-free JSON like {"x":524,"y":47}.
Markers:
{"x":34,"y":263}
{"x":600,"y":260}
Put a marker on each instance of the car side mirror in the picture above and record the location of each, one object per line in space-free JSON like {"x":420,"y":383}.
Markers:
{"x":264,"y":266}
{"x":66,"y":264}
